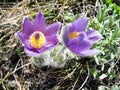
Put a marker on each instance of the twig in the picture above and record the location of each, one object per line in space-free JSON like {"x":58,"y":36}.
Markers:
{"x":86,"y":78}
{"x":20,"y":67}
{"x":5,"y":76}
{"x":69,"y":75}
{"x":75,"y":83}
{"x":16,"y":69}
{"x":17,"y":82}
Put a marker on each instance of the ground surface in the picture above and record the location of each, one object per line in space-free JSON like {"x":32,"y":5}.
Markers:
{"x":75,"y":75}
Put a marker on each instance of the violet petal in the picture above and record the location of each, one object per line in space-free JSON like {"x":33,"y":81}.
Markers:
{"x":39,"y":23}
{"x":51,"y":41}
{"x":27,"y":27}
{"x":52,"y":29}
{"x":37,"y":52}
{"x":79,"y":25}
{"x":89,"y":52}
{"x":79,"y":44}
{"x":34,"y":53}
{"x":94,"y":36}
{"x":66,"y":38}
{"x":66,"y":33}
{"x":25,"y":39}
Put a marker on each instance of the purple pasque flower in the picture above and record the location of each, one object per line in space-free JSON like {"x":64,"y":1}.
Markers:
{"x":80,"y":41}
{"x":38,"y":38}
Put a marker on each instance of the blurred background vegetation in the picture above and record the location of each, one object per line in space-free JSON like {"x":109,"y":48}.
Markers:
{"x":98,"y":72}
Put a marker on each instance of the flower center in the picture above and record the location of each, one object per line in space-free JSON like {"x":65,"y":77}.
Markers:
{"x":37,"y":40}
{"x":74,"y":35}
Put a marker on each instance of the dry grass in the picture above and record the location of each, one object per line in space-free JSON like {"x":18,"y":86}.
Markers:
{"x":16,"y":71}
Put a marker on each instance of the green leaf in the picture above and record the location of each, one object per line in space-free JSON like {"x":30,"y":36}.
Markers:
{"x":115,"y":87}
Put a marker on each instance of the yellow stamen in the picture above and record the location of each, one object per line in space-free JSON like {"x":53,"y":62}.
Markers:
{"x":37,"y":40}
{"x":74,"y":35}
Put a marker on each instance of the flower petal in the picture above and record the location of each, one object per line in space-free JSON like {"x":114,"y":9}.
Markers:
{"x":53,"y":29}
{"x":79,"y":44}
{"x":34,"y":53}
{"x":24,"y":38}
{"x":66,"y":38}
{"x":51,"y":41}
{"x":89,"y":52}
{"x":27,"y":27}
{"x":79,"y":25}
{"x":94,"y":36}
{"x":39,"y":23}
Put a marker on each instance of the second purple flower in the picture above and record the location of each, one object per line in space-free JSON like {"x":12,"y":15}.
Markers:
{"x":79,"y":40}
